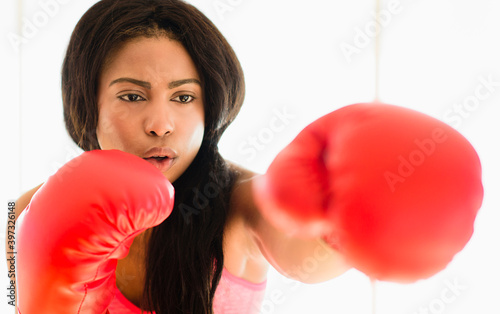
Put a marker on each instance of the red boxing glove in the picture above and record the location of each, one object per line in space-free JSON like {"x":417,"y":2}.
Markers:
{"x":396,"y":191}
{"x":78,"y":224}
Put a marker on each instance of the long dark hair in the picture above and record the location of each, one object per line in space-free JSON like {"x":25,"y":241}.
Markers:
{"x":184,"y":257}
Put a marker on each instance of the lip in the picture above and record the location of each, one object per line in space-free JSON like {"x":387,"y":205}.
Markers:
{"x":160,"y":152}
{"x":161,"y":164}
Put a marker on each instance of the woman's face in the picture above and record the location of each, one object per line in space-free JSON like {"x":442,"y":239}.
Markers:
{"x":151,"y":104}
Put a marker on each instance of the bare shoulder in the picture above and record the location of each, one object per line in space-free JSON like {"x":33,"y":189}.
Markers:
{"x":241,"y":197}
{"x":24,"y":200}
{"x":244,"y":173}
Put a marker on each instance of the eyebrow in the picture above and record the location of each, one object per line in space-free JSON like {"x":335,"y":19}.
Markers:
{"x":178,"y":83}
{"x":147,"y":85}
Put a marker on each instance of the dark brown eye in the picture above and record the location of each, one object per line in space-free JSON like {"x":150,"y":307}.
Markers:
{"x":131,"y":97}
{"x":184,"y":99}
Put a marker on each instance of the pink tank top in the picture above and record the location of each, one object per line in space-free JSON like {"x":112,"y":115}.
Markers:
{"x":234,"y":295}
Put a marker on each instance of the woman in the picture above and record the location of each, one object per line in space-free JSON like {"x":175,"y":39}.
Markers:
{"x":157,"y":79}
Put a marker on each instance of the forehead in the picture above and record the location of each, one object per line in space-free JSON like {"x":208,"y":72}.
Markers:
{"x":152,"y":58}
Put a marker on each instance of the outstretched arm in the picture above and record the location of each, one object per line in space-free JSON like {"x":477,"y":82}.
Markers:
{"x":308,"y":260}
{"x":382,"y":184}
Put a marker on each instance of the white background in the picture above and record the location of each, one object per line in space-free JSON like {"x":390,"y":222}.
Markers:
{"x":434,"y":56}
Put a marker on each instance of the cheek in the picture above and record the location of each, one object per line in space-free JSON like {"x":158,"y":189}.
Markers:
{"x":190,"y":128}
{"x":113,"y":125}
{"x":198,"y":127}
{"x":197,"y":136}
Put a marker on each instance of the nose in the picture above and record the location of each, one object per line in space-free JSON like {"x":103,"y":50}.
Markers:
{"x":158,"y":120}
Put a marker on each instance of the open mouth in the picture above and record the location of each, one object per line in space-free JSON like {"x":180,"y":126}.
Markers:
{"x":158,"y":158}
{"x":162,"y":163}
{"x":161,"y":157}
